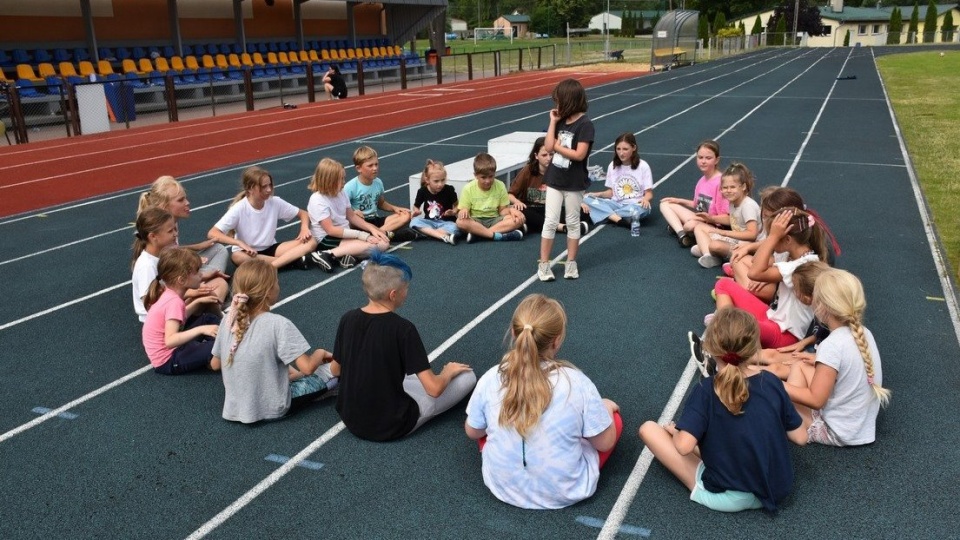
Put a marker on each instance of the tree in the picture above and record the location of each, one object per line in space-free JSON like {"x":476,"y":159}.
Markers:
{"x":576,"y":13}
{"x":640,"y":23}
{"x":914,"y":24}
{"x":894,"y":27}
{"x":809,"y":20}
{"x":703,"y":29}
{"x":846,"y":39}
{"x":719,"y":22}
{"x":948,"y":26}
{"x":780,"y":31}
{"x":757,"y":27}
{"x":930,"y":23}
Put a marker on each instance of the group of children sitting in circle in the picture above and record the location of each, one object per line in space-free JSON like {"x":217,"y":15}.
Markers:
{"x":785,"y":357}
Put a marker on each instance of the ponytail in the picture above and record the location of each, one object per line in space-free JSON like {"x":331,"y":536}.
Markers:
{"x":733,"y":337}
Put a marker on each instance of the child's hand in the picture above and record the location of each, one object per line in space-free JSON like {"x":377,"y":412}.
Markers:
{"x":213,"y":274}
{"x":463,"y":214}
{"x":209,"y":330}
{"x":416,"y":212}
{"x":520,"y":206}
{"x":452,"y":369}
{"x":781,"y":226}
{"x":704,"y":217}
{"x":247,"y":249}
{"x":738,"y":253}
{"x":755,"y":286}
{"x":805,"y":357}
{"x":304,"y":236}
{"x":554,"y":116}
{"x":789,"y":348}
{"x":670,"y":200}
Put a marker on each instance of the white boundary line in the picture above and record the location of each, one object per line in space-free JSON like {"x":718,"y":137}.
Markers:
{"x":939,"y":259}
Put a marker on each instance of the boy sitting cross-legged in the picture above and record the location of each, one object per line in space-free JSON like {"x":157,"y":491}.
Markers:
{"x":366,"y":196}
{"x":484,"y":206}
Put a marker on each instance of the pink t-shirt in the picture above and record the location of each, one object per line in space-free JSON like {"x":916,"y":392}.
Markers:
{"x":169,"y":307}
{"x":707,"y":197}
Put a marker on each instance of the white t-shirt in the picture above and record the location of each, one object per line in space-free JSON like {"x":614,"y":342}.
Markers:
{"x":748,"y":211}
{"x":144,"y":272}
{"x":256,"y":228}
{"x":851,"y":411}
{"x":562,"y":467}
{"x":629,"y":185}
{"x":322,"y":207}
{"x":791,"y":315}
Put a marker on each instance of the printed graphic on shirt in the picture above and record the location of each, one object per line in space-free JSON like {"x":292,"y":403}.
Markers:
{"x":366,"y":203}
{"x":627,"y":188}
{"x":537,"y":195}
{"x":565,"y":138}
{"x":434,"y":210}
{"x":703,"y":203}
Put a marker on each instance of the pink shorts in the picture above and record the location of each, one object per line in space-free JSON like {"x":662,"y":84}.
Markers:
{"x":819,"y":432}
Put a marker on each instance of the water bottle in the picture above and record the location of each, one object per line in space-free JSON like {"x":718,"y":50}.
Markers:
{"x":635,"y":223}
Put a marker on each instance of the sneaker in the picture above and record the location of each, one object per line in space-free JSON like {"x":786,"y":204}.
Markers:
{"x":727,"y":269}
{"x":469,"y":238}
{"x":544,"y":272}
{"x":405,"y":234}
{"x":695,"y":251}
{"x":584,"y":228}
{"x":511,"y":236}
{"x":670,"y":230}
{"x":625,"y":223}
{"x":707,"y":319}
{"x":450,"y":239}
{"x":324,"y":260}
{"x":709,"y":261}
{"x":348,"y":261}
{"x":524,"y":228}
{"x":571,"y":272}
{"x":686,"y":240}
{"x":301,"y":263}
{"x":705,"y":363}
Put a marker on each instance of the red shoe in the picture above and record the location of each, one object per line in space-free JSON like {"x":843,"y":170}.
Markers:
{"x":727,"y":269}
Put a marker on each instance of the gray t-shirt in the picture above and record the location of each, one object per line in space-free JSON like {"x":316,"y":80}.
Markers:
{"x":851,"y":411}
{"x":257,"y":383}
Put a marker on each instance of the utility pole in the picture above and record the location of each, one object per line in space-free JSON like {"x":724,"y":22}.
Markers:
{"x":796,"y":17}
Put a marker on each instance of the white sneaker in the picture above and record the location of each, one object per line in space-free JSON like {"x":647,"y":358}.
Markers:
{"x":544,"y":272}
{"x":450,"y":239}
{"x":571,"y":270}
{"x":709,"y":261}
{"x":695,"y":251}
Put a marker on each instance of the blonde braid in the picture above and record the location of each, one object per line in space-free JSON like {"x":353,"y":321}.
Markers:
{"x":240,"y":326}
{"x":882,"y":394}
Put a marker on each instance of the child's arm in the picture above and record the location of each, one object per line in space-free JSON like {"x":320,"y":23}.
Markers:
{"x":388,"y":207}
{"x":573,"y":154}
{"x":173,"y":337}
{"x":682,"y":441}
{"x":798,"y":436}
{"x":362,"y":227}
{"x":677,"y":200}
{"x":749,"y":234}
{"x":306,"y":365}
{"x":219,"y":236}
{"x":798,"y":346}
{"x":763,"y":268}
{"x":720,"y":219}
{"x":818,"y":392}
{"x":436,"y":384}
{"x":606,"y":439}
{"x":473,"y":432}
{"x":305,"y":235}
{"x":605,"y":194}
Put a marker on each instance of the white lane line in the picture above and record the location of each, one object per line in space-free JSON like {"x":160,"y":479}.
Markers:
{"x":944,"y":269}
{"x":276,"y":475}
{"x":625,"y":499}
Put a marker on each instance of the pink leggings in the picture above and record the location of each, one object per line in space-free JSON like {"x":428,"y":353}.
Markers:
{"x":771,"y":336}
{"x":604,"y":456}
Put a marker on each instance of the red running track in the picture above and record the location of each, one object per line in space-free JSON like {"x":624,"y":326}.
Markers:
{"x":37,"y":175}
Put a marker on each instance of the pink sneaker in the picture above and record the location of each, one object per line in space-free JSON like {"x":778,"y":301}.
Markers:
{"x":727,"y":269}
{"x":707,"y":319}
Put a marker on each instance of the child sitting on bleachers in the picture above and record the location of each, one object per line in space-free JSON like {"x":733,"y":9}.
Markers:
{"x":484,"y":206}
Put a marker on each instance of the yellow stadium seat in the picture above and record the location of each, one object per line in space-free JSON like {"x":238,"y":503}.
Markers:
{"x":312,"y":56}
{"x":272,"y":58}
{"x":351,"y":54}
{"x":145,"y":66}
{"x":234,"y":61}
{"x":304,"y":57}
{"x":258,"y":59}
{"x":104,"y":68}
{"x":46,"y":70}
{"x":3,"y":78}
{"x":67,"y":69}
{"x":341,"y":54}
{"x":25,"y":71}
{"x":283,"y":58}
{"x":221,"y":61}
{"x":128,"y":66}
{"x":246,"y":60}
{"x":192,"y":63}
{"x":177,"y":63}
{"x":162,"y":65}
{"x":208,"y":61}
{"x":324,"y":54}
{"x":86,"y":68}
{"x":358,"y":53}
{"x":367,"y":53}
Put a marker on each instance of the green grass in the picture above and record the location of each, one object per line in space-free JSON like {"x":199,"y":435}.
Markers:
{"x":923,"y":89}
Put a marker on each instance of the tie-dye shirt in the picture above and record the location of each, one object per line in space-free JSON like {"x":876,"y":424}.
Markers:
{"x":562,"y":467}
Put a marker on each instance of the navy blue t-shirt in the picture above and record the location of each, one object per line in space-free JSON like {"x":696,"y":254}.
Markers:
{"x":747,"y":452}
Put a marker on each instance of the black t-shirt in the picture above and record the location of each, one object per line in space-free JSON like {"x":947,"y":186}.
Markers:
{"x":564,"y":174}
{"x":375,"y":353}
{"x":339,"y":85}
{"x":434,"y":205}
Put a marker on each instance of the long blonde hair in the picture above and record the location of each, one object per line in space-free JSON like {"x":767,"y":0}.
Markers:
{"x":839,"y":294}
{"x":161,"y":191}
{"x":250,"y":179}
{"x":252,"y":283}
{"x":733,"y":336}
{"x":538,"y":327}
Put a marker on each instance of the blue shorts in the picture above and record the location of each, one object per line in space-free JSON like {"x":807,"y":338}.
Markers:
{"x":448,"y":227}
{"x":727,"y":501}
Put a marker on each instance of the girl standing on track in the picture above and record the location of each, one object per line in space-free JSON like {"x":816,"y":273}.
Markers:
{"x":543,"y":428}
{"x":729,"y":447}
{"x":715,"y":243}
{"x":156,"y":230}
{"x":253,"y":215}
{"x":629,"y":186}
{"x":168,"y":194}
{"x":528,"y":193}
{"x":570,"y":137}
{"x":176,"y":338}
{"x":260,"y":350}
{"x":341,"y":234}
{"x":840,"y":392}
{"x":683,"y":215}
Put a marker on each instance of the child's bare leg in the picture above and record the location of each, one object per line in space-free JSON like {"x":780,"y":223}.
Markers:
{"x":672,"y":213}
{"x":239,"y":257}
{"x":292,"y":250}
{"x":703,"y":238}
{"x":395,"y":221}
{"x":660,"y":443}
{"x":719,"y":248}
{"x":439,"y":234}
{"x":220,"y":287}
{"x":471,"y":226}
{"x":507,"y":224}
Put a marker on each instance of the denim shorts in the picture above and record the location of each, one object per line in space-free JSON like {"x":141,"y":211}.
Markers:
{"x":727,"y":501}
{"x":448,"y":227}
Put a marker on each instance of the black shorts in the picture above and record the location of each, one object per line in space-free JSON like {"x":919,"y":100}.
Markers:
{"x":270,"y":251}
{"x":375,"y":220}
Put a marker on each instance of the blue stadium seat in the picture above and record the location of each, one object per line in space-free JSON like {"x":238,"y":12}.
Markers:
{"x":282,"y":47}
{"x":236,"y":49}
{"x":188,"y":51}
{"x":26,"y":89}
{"x":5,"y":59}
{"x":157,"y":78}
{"x":272,"y":47}
{"x":258,"y":73}
{"x":21,"y":56}
{"x":152,"y":50}
{"x":123,"y":53}
{"x":262,"y":48}
{"x":41,"y":55}
{"x":169,"y":52}
{"x":134,"y":81}
{"x":251,"y":48}
{"x":81,"y":55}
{"x":137,"y":53}
{"x":54,"y":85}
{"x":188,"y":76}
{"x":61,"y":55}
